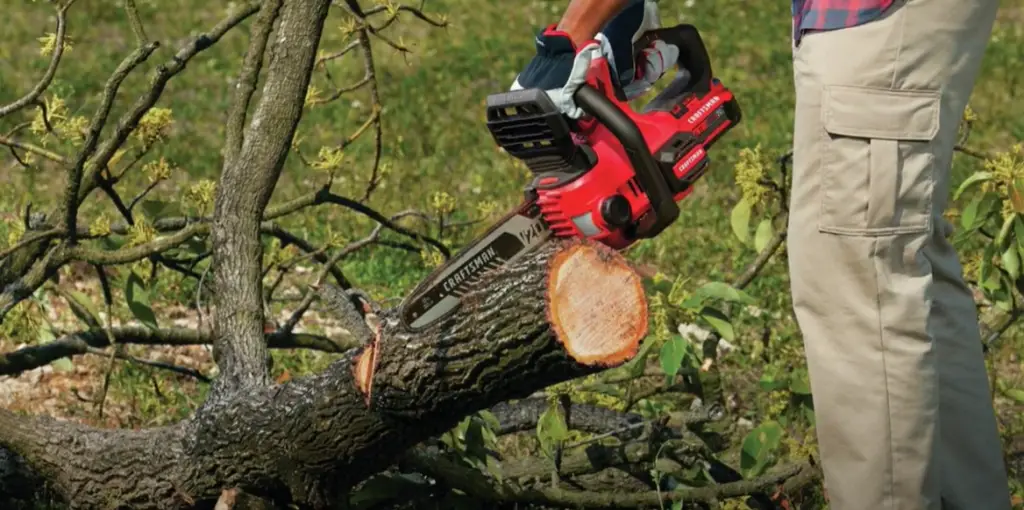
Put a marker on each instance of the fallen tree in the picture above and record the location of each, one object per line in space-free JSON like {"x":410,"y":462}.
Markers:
{"x":310,"y":440}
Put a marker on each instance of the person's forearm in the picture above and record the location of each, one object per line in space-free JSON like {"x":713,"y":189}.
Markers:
{"x":583,"y":19}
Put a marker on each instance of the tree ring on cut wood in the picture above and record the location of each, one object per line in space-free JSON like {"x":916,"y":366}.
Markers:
{"x":596,"y":304}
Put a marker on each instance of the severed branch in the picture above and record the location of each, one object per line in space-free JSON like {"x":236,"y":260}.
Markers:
{"x":308,"y":441}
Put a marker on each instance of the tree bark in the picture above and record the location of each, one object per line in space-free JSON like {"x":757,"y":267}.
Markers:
{"x":310,"y":440}
{"x":246,"y":184}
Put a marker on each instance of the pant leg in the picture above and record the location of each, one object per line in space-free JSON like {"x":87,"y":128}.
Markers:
{"x":903,"y":408}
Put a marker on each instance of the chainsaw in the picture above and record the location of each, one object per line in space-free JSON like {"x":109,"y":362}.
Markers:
{"x":613,"y":176}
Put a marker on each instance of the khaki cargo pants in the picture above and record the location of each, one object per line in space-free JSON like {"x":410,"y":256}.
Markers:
{"x":904,"y":418}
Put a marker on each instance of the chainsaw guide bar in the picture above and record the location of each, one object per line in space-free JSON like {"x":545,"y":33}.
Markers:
{"x":439,"y":295}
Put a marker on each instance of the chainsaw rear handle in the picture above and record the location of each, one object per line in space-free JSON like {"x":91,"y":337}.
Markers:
{"x":648,"y":173}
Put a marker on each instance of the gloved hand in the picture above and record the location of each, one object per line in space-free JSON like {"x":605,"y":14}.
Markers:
{"x":559,"y":68}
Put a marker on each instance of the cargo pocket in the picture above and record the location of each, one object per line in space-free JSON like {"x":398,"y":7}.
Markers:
{"x":877,"y":160}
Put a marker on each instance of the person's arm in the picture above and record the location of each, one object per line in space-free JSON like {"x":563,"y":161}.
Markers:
{"x":583,"y":19}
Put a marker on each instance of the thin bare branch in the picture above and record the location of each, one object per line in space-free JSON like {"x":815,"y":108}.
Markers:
{"x":51,"y":70}
{"x":136,"y":22}
{"x":128,"y":122}
{"x":338,"y":54}
{"x":245,"y":87}
{"x":99,"y":120}
{"x":75,"y":344}
{"x":378,"y":136}
{"x":325,"y":196}
{"x":396,"y":9}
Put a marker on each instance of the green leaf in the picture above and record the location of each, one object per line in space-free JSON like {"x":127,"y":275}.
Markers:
{"x":91,"y":317}
{"x":62,"y":365}
{"x":636,"y":366}
{"x":673,"y":351}
{"x":974,"y":179}
{"x":740,"y":220}
{"x":720,"y":322}
{"x":770,"y":381}
{"x":808,"y":413}
{"x":474,"y":440}
{"x":970,"y":213}
{"x":489,"y":419}
{"x":1016,"y":195}
{"x":763,"y":234}
{"x":1011,"y":261}
{"x":112,"y":242}
{"x":1016,"y":394}
{"x":989,"y":279}
{"x":800,"y":383}
{"x":137,"y":296}
{"x":1005,"y":230}
{"x":693,"y":302}
{"x":159,"y":208}
{"x":45,"y":334}
{"x":551,"y":428}
{"x":1018,"y":232}
{"x":725,"y":292}
{"x":758,"y":447}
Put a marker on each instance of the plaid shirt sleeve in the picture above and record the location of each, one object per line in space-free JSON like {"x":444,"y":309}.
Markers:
{"x":833,"y":14}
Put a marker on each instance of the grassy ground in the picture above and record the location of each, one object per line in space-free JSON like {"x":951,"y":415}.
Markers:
{"x":434,"y":141}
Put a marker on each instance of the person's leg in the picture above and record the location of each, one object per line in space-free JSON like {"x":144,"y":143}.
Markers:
{"x":903,"y":409}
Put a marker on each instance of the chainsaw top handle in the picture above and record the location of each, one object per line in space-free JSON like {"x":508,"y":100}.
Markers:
{"x":693,"y":62}
{"x":694,"y":76}
{"x":648,"y":173}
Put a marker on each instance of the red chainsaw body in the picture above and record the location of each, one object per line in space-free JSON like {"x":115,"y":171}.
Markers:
{"x":678,"y":138}
{"x":614,"y":176}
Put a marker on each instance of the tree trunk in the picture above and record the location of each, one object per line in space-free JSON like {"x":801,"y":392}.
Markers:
{"x":246,"y":184}
{"x":567,"y":310}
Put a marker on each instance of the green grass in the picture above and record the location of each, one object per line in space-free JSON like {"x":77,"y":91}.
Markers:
{"x":434,"y":136}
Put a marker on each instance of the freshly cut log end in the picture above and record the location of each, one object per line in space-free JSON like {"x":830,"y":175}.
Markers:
{"x":596,"y":304}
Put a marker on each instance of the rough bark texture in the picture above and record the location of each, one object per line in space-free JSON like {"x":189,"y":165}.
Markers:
{"x":310,"y":440}
{"x":246,"y":185}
